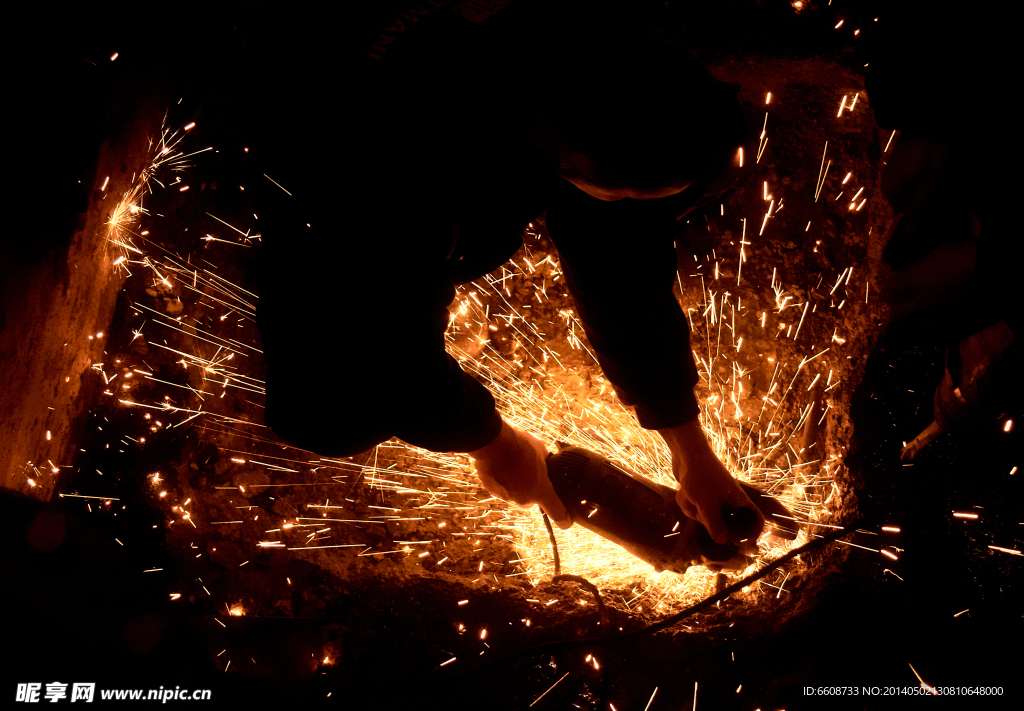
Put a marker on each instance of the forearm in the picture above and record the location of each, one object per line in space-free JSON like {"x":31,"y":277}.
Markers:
{"x":686,"y":434}
{"x":688,"y":445}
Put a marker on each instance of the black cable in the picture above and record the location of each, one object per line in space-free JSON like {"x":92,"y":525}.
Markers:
{"x":554,"y":545}
{"x":560,"y":645}
{"x":558,"y":577}
{"x":603,"y":621}
{"x":602,"y":615}
{"x":591,"y":588}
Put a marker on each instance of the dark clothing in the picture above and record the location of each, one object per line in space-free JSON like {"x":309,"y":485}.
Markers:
{"x":620,"y":264}
{"x":353,"y":308}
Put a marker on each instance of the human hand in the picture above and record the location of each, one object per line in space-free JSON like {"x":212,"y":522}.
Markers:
{"x":513,"y":467}
{"x":708,"y":493}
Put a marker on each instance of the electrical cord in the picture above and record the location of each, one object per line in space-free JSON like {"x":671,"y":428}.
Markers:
{"x":561,"y":645}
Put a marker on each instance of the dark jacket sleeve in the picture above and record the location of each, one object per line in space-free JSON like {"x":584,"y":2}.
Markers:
{"x":620,"y":264}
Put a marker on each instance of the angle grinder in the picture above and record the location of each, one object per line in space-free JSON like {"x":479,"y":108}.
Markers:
{"x":643,"y":517}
